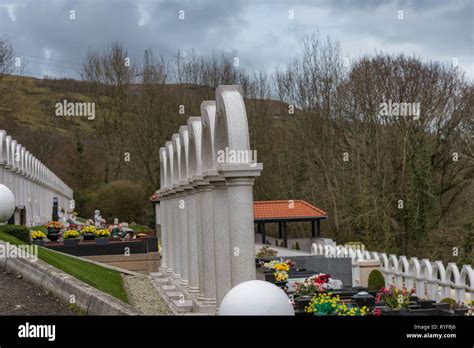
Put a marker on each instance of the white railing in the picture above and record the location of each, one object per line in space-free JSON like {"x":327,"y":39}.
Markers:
{"x":431,"y":279}
{"x":31,"y":182}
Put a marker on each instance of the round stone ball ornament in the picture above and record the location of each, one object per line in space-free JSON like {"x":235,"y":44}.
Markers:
{"x":7,"y":204}
{"x":256,"y":297}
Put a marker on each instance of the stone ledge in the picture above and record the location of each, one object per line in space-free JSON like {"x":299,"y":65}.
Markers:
{"x":63,"y":285}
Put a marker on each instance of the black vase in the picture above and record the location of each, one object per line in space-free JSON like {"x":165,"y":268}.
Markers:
{"x":53,"y":234}
{"x":88,"y":236}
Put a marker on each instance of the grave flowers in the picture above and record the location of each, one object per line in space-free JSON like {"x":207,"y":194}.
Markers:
{"x":309,"y":287}
{"x":102,"y":237}
{"x":281,"y":273}
{"x":87,"y":232}
{"x":394,"y":298}
{"x":277,"y":271}
{"x":38,"y":237}
{"x":54,"y":227}
{"x":71,"y":238}
{"x":326,"y":304}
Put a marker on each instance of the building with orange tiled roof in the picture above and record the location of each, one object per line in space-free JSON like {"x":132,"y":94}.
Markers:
{"x":284,"y":211}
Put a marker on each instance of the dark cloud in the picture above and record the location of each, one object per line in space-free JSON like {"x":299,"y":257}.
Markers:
{"x":259,"y":33}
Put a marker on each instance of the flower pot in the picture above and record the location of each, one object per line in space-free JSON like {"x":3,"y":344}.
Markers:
{"x":269,"y":277}
{"x":102,"y":241}
{"x":53,"y":234}
{"x":391,"y":312}
{"x":88,"y":236}
{"x":71,"y":242}
{"x":441,"y":305}
{"x":461,"y":311}
{"x":302,"y":302}
{"x":426,"y":304}
{"x":280,"y":284}
{"x":39,"y":242}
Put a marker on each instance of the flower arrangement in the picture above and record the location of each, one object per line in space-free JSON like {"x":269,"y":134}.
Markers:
{"x":270,"y":264}
{"x":103,"y":233}
{"x":54,"y":225}
{"x":314,"y":284}
{"x":38,"y":235}
{"x":87,"y":229}
{"x":282,"y":267}
{"x":326,"y":304}
{"x":395,"y":298}
{"x":281,"y":271}
{"x":281,"y":276}
{"x":71,"y":234}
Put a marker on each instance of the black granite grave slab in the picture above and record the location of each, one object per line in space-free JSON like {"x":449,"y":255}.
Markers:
{"x":136,"y":246}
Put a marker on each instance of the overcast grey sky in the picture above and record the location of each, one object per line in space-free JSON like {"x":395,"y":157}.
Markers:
{"x":260,"y":33}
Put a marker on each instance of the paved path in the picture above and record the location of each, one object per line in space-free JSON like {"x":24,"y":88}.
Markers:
{"x":19,"y":297}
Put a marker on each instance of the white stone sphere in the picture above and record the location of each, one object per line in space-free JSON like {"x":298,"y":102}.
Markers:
{"x":7,"y":203}
{"x":256,"y":297}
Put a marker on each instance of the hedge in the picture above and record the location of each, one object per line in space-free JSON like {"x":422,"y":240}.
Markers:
{"x":17,"y":231}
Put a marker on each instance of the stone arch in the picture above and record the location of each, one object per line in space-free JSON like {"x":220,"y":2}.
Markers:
{"x":194,"y":133}
{"x":163,"y":168}
{"x":422,"y":285}
{"x":169,"y":161}
{"x":401,"y":272}
{"x":467,"y":274}
{"x":3,"y":146}
{"x":413,"y":272}
{"x":438,"y":279}
{"x":176,"y":158}
{"x":12,"y":153}
{"x":231,"y":124}
{"x":391,"y":269}
{"x":452,"y":271}
{"x":208,"y":156}
{"x":8,"y":146}
{"x":184,"y":156}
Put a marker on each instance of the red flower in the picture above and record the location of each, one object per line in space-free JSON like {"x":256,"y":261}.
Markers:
{"x":377,"y":312}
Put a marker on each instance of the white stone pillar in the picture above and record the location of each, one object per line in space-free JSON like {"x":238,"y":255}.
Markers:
{"x":198,"y":183}
{"x":193,"y":262}
{"x":195,"y":223}
{"x":176,"y":236}
{"x":169,"y":209}
{"x":221,"y":237}
{"x":184,"y":202}
{"x":163,"y":217}
{"x":208,"y":246}
{"x":183,"y":229}
{"x":176,"y":208}
{"x":237,"y":164}
{"x":241,"y":222}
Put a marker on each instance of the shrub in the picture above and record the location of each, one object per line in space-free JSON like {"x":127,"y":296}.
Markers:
{"x":20,"y":232}
{"x":297,"y":246}
{"x":266,"y":251}
{"x":449,"y":301}
{"x":376,"y":280}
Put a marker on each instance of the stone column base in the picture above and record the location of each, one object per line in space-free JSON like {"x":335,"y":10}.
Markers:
{"x":203,"y":307}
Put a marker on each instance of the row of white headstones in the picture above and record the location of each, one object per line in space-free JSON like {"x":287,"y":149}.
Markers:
{"x":31,"y":182}
{"x":206,"y":208}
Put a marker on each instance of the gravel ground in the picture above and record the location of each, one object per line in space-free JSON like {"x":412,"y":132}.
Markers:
{"x":143,"y":296}
{"x":19,"y":297}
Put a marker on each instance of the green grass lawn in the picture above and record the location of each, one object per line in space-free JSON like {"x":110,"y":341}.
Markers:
{"x":106,"y":280}
{"x":39,"y":228}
